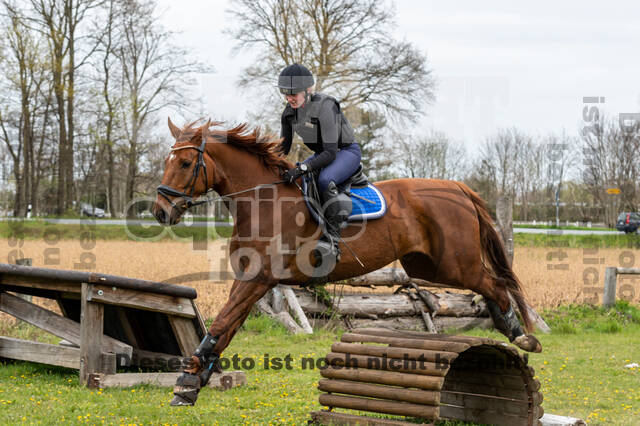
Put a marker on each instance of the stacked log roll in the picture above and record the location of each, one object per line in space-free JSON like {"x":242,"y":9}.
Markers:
{"x":453,"y":311}
{"x":427,"y":376}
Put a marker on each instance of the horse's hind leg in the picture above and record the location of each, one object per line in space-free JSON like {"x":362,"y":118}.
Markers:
{"x":205,"y":359}
{"x":500,"y":308}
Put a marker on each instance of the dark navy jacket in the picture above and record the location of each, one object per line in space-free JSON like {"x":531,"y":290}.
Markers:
{"x":321,"y":125}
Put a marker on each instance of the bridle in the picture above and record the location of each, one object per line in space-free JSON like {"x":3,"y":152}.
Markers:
{"x":166,"y":191}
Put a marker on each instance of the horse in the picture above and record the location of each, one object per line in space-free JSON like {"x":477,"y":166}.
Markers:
{"x":439,"y":230}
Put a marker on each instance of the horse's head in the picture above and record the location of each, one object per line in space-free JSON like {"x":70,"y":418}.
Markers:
{"x":188,"y":172}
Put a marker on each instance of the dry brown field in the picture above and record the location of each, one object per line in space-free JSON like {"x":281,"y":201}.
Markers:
{"x":550,"y":278}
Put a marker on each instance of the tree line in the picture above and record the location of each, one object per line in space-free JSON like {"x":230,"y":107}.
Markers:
{"x":82,"y":84}
{"x":85,"y":82}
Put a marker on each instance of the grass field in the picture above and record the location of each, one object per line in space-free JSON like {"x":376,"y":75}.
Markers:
{"x":581,"y":370}
{"x":580,"y":228}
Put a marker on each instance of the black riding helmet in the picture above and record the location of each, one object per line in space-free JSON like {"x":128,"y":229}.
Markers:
{"x":294,"y":79}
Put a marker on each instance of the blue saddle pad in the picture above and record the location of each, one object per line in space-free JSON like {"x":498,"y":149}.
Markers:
{"x":364,"y":209}
{"x":374,"y":208}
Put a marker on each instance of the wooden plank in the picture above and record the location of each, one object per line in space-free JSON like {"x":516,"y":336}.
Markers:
{"x":39,"y":283}
{"x":453,"y":385}
{"x":384,"y":378}
{"x":380,"y":391}
{"x":421,"y":335}
{"x":499,"y":378}
{"x":380,"y":406}
{"x":630,"y":271}
{"x":392,"y":352}
{"x":201,"y":330}
{"x":91,"y":331}
{"x":479,"y":415}
{"x":389,"y":352}
{"x":334,"y":418}
{"x":220,"y":381}
{"x":146,"y":301}
{"x":55,"y":324}
{"x":126,"y":326}
{"x":387,"y":364}
{"x":441,"y":324}
{"x":504,"y":405}
{"x":185,"y":333}
{"x":402,"y":342}
{"x":45,"y":353}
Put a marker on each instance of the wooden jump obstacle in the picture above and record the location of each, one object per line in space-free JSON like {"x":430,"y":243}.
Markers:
{"x":107,"y":322}
{"x":427,"y":376}
{"x":410,"y":307}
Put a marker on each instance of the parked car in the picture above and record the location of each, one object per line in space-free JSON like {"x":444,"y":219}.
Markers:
{"x":89,"y":210}
{"x":628,"y":222}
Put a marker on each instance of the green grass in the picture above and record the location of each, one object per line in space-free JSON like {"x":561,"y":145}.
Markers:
{"x":39,"y":230}
{"x":581,"y":370}
{"x":575,"y":228}
{"x":577,"y":241}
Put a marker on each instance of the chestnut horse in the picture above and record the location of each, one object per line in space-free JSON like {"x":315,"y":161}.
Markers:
{"x":439,"y":230}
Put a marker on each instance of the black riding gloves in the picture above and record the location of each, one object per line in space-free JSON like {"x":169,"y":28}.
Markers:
{"x":293,"y":174}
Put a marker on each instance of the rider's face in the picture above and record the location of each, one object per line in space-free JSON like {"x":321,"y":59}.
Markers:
{"x":296,"y":101}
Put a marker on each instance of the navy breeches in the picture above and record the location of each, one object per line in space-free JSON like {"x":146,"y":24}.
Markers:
{"x":345,"y":164}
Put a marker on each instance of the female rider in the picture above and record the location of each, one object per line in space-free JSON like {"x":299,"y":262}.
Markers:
{"x":318,"y":120}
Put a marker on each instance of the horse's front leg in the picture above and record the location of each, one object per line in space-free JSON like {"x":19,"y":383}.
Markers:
{"x":205,"y":359}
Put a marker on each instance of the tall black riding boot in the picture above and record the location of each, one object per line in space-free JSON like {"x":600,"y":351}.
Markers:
{"x":335,"y":214}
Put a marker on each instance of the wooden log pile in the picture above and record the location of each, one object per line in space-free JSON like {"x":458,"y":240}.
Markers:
{"x":416,"y":309}
{"x":427,"y":376}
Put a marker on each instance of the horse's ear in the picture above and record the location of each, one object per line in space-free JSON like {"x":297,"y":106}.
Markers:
{"x":205,"y":128}
{"x":175,"y":130}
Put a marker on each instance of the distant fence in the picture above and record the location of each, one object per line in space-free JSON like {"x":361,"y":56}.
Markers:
{"x":610,"y":281}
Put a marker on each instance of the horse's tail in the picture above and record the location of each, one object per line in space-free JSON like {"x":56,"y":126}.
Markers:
{"x":494,"y":252}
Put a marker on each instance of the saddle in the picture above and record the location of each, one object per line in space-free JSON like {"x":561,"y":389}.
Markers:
{"x":357,"y":195}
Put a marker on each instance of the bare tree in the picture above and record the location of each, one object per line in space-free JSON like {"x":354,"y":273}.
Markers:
{"x":610,"y":162}
{"x":369,"y":132}
{"x":347,"y":44}
{"x":59,"y":21}
{"x":432,"y":155}
{"x":155,"y":74}
{"x":23,"y":127}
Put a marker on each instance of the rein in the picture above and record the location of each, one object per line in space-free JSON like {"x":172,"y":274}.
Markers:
{"x":166,"y":191}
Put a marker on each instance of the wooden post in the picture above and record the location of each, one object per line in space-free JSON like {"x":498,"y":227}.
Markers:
{"x":91,"y":330}
{"x":297,"y":310}
{"x":609,"y":297}
{"x":504,"y":218}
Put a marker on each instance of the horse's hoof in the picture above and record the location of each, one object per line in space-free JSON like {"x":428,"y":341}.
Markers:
{"x":528,"y":342}
{"x":181,"y":400}
{"x":186,"y":390}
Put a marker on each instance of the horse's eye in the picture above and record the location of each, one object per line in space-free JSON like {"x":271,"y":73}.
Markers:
{"x":186,"y":164}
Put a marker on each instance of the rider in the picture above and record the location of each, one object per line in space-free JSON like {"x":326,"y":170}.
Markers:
{"x":318,"y":120}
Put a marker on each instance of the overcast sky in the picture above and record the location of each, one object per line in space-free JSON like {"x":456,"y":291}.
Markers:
{"x":497,"y":63}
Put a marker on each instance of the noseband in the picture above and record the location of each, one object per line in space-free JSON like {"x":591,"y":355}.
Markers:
{"x":166,"y":191}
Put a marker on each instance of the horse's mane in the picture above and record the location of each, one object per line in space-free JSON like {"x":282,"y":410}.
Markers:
{"x":265,"y":146}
